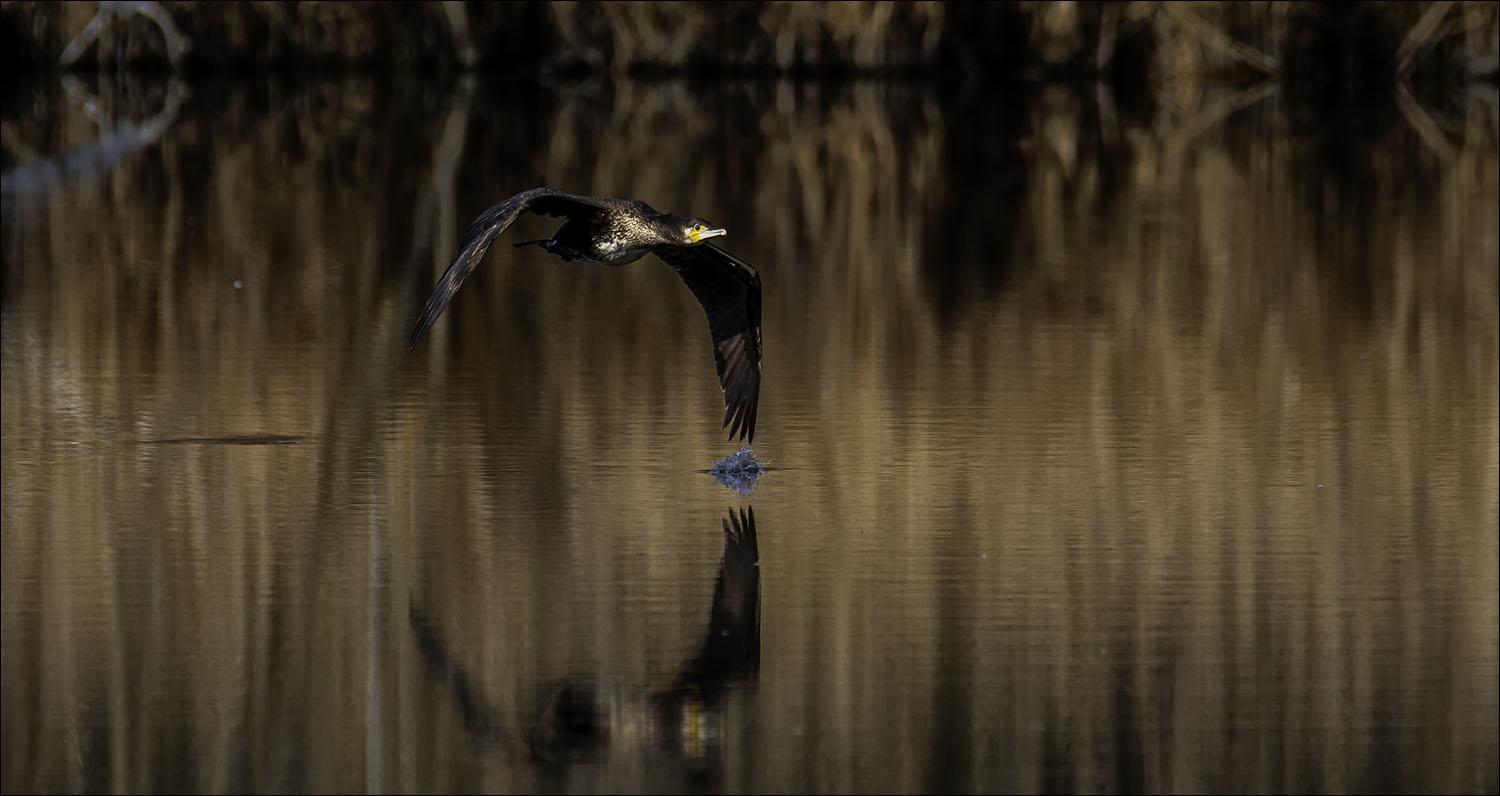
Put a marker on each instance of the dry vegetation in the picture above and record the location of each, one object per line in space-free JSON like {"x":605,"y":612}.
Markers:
{"x":1307,"y":40}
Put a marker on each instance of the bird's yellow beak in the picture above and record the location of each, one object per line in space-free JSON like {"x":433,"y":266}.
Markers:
{"x":700,"y":235}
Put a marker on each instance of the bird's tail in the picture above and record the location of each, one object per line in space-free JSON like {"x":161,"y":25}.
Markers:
{"x":542,"y":243}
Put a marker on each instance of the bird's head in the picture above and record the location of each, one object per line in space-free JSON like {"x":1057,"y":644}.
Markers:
{"x":694,"y":231}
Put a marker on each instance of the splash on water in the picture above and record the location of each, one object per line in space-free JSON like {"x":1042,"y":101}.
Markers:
{"x":739,"y":471}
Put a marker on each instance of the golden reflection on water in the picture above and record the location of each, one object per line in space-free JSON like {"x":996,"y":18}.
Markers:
{"x":1119,"y":455}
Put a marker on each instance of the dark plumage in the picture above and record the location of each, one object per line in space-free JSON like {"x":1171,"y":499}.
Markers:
{"x":620,"y":231}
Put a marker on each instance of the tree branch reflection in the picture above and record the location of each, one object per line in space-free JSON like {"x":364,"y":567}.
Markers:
{"x":102,"y":155}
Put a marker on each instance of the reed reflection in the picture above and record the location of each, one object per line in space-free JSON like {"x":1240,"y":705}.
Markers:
{"x":1145,"y":429}
{"x":583,"y":720}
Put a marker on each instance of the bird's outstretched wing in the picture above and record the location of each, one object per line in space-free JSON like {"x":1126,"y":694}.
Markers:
{"x":729,"y":291}
{"x":483,"y":232}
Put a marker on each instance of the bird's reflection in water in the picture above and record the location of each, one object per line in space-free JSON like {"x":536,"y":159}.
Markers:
{"x":477,"y":714}
{"x":690,"y":714}
{"x":582,"y":721}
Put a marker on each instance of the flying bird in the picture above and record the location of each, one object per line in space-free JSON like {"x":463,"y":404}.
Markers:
{"x":620,"y":231}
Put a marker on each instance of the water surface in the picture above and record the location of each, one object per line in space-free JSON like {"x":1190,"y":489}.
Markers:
{"x":1121,"y":450}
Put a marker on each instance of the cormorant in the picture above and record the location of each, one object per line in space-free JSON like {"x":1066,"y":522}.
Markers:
{"x":619,"y":231}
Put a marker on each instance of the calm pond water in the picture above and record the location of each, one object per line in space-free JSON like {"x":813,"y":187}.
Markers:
{"x":1120,"y":450}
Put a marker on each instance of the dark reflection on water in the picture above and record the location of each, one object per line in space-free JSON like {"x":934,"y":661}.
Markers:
{"x":1129,"y":443}
{"x":580,"y":720}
